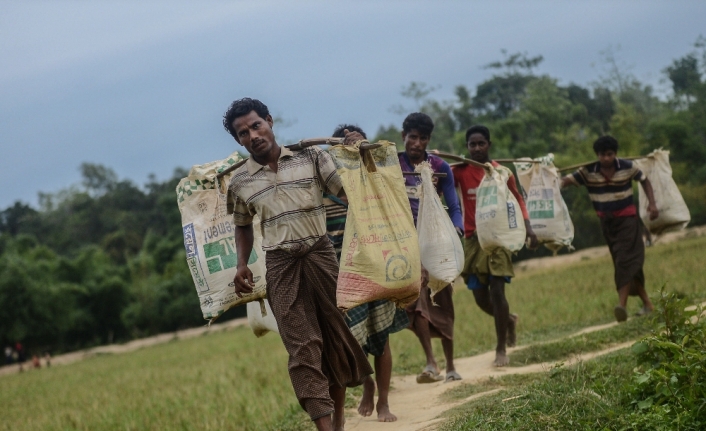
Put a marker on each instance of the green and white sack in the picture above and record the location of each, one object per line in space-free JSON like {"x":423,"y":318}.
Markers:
{"x":673,"y":212}
{"x":499,"y":221}
{"x":439,"y":245}
{"x":209,"y":239}
{"x":549,"y":216}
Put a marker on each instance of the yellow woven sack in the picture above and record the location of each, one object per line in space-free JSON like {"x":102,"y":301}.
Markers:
{"x":380,"y":257}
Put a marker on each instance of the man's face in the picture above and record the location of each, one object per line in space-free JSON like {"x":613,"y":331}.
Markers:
{"x":415,"y":144}
{"x":606,"y":158}
{"x":478,"y":147}
{"x":255,"y":133}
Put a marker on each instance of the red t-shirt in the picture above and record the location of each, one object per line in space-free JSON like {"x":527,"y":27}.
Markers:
{"x":467,"y":178}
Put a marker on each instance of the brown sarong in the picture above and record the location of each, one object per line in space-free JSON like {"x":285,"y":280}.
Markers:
{"x":440,"y":316}
{"x":624,"y":238}
{"x":301,"y":288}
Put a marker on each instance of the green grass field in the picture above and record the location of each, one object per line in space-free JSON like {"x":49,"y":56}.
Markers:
{"x":233,"y":381}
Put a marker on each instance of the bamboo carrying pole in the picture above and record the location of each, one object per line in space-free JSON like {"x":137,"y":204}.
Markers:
{"x":580,"y":165}
{"x":462,"y":159}
{"x":416,"y":174}
{"x":304,"y":143}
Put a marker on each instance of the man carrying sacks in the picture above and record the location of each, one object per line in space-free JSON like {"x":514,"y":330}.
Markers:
{"x":609,"y":184}
{"x":285,"y":188}
{"x":370,"y":323}
{"x":427,"y":320}
{"x":486,"y":273}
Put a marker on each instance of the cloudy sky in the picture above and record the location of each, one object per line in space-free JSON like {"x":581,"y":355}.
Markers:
{"x":141,"y":87}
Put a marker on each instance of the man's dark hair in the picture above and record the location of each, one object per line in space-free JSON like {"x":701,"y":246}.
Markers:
{"x":419,"y":121}
{"x":605,"y":143}
{"x":338,"y":133}
{"x":240,"y":108}
{"x":478,"y":129}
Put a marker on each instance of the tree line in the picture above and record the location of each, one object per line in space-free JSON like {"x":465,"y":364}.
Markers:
{"x":103,"y":261}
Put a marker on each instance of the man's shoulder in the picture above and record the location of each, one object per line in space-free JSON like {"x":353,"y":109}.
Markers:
{"x":626,"y":164}
{"x":502,"y":168}
{"x":239,"y":177}
{"x":437,"y":163}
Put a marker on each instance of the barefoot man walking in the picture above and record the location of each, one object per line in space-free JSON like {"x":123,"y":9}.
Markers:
{"x":486,"y":273}
{"x":370,"y":323}
{"x":285,"y":188}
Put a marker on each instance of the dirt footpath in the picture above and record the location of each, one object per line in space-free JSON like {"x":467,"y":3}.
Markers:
{"x":418,"y":406}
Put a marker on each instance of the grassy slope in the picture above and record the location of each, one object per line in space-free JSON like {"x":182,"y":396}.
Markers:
{"x":588,"y":396}
{"x":233,"y":381}
{"x":555,"y":302}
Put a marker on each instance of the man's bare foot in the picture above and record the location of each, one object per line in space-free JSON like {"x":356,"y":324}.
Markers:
{"x":511,"y":330}
{"x":384,"y":413}
{"x":367,"y":403}
{"x":501,"y":359}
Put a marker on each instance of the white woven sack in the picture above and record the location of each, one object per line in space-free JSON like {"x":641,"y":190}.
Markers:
{"x":439,"y":245}
{"x":209,"y":239}
{"x":673,"y":212}
{"x":260,"y":318}
{"x":499,"y":221}
{"x":549,"y":216}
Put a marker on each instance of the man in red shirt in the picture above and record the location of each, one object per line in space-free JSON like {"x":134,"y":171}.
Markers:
{"x":485,"y":273}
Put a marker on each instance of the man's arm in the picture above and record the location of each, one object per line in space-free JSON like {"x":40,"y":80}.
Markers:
{"x":652,"y":204}
{"x":243,"y":279}
{"x":448,"y":189}
{"x":567,"y":181}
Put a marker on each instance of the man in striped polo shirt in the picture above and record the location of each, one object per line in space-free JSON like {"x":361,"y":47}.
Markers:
{"x":285,"y":188}
{"x":609,"y":184}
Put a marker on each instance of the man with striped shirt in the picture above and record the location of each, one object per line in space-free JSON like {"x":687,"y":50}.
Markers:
{"x":609,"y":184}
{"x":285,"y":189}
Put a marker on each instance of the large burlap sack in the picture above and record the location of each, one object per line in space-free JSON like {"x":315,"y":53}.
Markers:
{"x":549,"y":216}
{"x":210,"y":242}
{"x":673,"y":212}
{"x":380,"y":258}
{"x":260,"y":318}
{"x":439,"y":245}
{"x":499,"y":221}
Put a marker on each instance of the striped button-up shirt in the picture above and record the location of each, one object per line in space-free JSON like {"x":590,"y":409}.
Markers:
{"x":289,"y":202}
{"x":610,"y":197}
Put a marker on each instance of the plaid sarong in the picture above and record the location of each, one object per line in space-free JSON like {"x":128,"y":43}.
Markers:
{"x":372,"y":324}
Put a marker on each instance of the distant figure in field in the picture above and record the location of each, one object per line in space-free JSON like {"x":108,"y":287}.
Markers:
{"x":285,"y":189}
{"x":370,"y":323}
{"x":428,"y":320}
{"x":487,"y":273}
{"x":21,"y":358}
{"x":35,"y":362}
{"x":609,"y":184}
{"x":8,"y":355}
